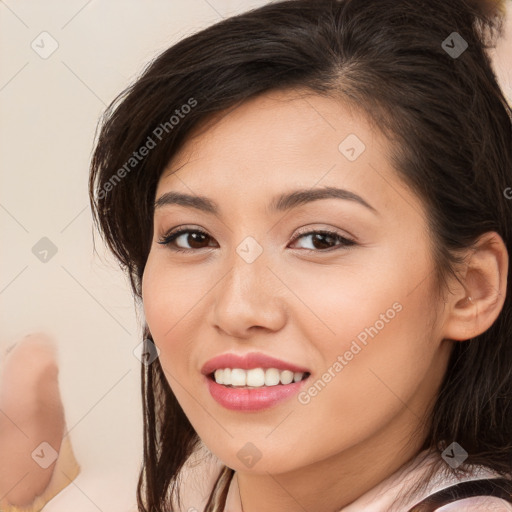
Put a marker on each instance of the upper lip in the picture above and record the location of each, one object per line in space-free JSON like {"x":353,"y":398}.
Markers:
{"x":247,"y":362}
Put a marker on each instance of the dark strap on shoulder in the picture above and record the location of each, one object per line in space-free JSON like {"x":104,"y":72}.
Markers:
{"x":498,"y":487}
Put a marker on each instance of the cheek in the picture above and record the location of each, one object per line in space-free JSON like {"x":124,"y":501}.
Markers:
{"x":172,"y":297}
{"x":153,"y":299}
{"x":365,"y":384}
{"x":379,"y":345}
{"x":165,"y":305}
{"x":161,"y":309}
{"x":361,"y":299}
{"x":165,"y":295}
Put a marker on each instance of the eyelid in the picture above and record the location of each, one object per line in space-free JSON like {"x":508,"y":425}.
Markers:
{"x":346,"y":242}
{"x":333,"y":231}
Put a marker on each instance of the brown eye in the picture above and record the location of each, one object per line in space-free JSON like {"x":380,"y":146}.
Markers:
{"x":324,"y":240}
{"x":195,"y":238}
{"x":321,"y":241}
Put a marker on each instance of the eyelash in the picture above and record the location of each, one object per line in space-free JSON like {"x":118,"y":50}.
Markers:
{"x":345,"y":242}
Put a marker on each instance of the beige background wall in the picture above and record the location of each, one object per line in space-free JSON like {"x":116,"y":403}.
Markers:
{"x":49,"y":108}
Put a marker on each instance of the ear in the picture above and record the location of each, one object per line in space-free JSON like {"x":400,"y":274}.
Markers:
{"x":480,"y":292}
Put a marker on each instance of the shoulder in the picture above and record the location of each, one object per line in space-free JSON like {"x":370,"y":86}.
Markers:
{"x":424,"y":476}
{"x":196,"y":480}
{"x":478,"y":504}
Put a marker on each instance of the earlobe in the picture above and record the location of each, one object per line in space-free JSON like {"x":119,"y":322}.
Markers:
{"x":479,"y":299}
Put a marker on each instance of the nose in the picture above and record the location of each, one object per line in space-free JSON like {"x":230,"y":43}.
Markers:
{"x":250,"y":297}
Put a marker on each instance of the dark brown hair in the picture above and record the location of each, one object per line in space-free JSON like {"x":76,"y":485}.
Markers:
{"x":450,"y":127}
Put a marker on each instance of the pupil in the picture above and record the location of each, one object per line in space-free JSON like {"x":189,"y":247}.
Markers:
{"x":322,"y":238}
{"x":194,"y":238}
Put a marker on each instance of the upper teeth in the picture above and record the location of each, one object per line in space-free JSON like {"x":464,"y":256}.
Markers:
{"x":256,"y":377}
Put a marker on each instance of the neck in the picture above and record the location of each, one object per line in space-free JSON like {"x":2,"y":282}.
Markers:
{"x":334,"y":483}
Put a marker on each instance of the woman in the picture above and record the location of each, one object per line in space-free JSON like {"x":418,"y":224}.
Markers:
{"x":380,"y":127}
{"x":311,"y":202}
{"x":360,"y":146}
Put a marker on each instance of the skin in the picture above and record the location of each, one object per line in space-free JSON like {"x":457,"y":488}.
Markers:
{"x":307,"y":307}
{"x":31,"y":412}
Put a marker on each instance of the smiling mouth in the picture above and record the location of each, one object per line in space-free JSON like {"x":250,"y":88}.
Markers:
{"x":256,"y":377}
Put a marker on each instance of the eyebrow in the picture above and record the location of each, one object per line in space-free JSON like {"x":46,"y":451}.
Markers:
{"x":280,"y":203}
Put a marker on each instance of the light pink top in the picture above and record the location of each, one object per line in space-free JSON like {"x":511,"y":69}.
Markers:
{"x":200,"y":473}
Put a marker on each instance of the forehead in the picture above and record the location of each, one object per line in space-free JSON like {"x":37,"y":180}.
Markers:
{"x":279,"y":125}
{"x":282,"y":139}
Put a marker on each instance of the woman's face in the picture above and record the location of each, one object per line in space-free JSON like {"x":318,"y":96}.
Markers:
{"x":359,"y":319}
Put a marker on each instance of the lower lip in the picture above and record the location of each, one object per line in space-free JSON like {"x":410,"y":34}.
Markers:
{"x":239,"y":399}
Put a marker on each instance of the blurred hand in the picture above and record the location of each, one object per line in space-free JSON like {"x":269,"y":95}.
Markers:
{"x":31,"y":413}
